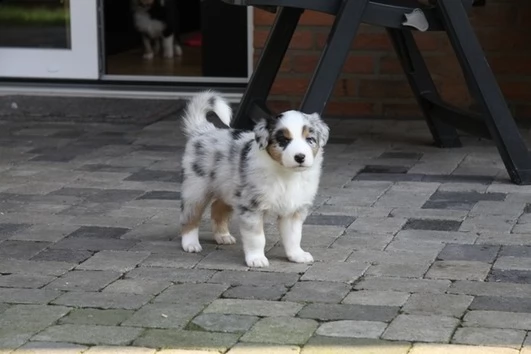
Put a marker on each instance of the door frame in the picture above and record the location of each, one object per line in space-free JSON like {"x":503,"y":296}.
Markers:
{"x":81,"y":61}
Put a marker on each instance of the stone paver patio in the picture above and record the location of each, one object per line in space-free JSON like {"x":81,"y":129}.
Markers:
{"x":418,"y":250}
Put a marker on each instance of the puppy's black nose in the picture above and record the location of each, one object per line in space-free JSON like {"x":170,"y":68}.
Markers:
{"x":299,"y":158}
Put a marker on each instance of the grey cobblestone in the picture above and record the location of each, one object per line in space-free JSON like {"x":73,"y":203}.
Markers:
{"x":96,"y":317}
{"x":50,"y":348}
{"x":339,"y":272}
{"x":28,"y":296}
{"x":102,"y":300}
{"x":253,"y":307}
{"x":87,"y":280}
{"x":437,"y":304}
{"x":254,"y":278}
{"x":214,"y":322}
{"x":489,"y":337}
{"x":119,"y":261}
{"x":459,"y":270}
{"x":85,"y":334}
{"x":378,"y":298}
{"x":498,"y":319}
{"x":187,"y":340}
{"x":309,"y":291}
{"x":137,"y":286}
{"x":354,"y":329}
{"x":421,"y":328}
{"x":163,"y":316}
{"x":256,"y":292}
{"x":201,"y":294}
{"x":328,"y":312}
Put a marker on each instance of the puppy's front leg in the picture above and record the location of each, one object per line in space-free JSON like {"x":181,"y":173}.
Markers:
{"x":148,"y":50}
{"x":253,"y":238}
{"x":290,"y":227}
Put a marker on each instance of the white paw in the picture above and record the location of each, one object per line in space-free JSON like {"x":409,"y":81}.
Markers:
{"x":301,"y":257}
{"x":192,"y":246}
{"x":257,"y":261}
{"x":148,"y":56}
{"x":225,"y":239}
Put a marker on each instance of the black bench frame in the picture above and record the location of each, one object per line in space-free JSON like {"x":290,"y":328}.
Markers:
{"x":495,"y":121}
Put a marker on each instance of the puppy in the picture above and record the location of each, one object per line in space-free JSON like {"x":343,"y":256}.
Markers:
{"x":157,"y":21}
{"x":273,"y":169}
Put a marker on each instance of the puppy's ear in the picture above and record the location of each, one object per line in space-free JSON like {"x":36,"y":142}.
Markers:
{"x":261,"y":132}
{"x":321,"y":128}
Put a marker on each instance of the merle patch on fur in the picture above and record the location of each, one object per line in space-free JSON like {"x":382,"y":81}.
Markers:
{"x":236,"y":133}
{"x":244,"y":155}
{"x":198,"y":170}
{"x":199,"y":148}
{"x":282,"y":140}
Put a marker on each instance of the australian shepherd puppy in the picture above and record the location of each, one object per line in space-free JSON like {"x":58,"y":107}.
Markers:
{"x":273,"y":169}
{"x":157,"y":21}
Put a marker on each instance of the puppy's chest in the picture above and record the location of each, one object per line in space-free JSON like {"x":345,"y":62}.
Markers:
{"x":149,"y":25}
{"x":288,"y":197}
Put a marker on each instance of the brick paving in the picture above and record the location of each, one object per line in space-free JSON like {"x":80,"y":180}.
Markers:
{"x":418,"y":249}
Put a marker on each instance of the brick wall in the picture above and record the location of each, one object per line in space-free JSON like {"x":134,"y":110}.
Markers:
{"x":372,"y":82}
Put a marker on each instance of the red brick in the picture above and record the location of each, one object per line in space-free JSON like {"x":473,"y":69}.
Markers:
{"x":349,"y":108}
{"x":390,"y":65}
{"x":428,"y":41}
{"x":345,"y":87}
{"x":384,"y":89}
{"x":262,"y":17}
{"x":372,"y":41}
{"x":279,"y":106}
{"x":292,"y":86}
{"x":401,"y":110}
{"x":517,"y":64}
{"x":516,"y":90}
{"x":313,"y":18}
{"x":285,"y":66}
{"x":444,"y":66}
{"x":454,"y":92}
{"x":494,"y":15}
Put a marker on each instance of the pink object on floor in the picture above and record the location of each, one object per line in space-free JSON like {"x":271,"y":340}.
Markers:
{"x":195,"y":40}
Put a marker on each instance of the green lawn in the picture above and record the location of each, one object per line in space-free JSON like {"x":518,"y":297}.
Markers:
{"x":35,"y":16}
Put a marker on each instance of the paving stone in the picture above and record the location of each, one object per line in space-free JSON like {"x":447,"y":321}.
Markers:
{"x":171,"y":274}
{"x":505,"y":208}
{"x":184,"y":260}
{"x":376,"y":298}
{"x":27,"y":318}
{"x":502,"y":238}
{"x":480,"y":253}
{"x":123,"y":350}
{"x":403,"y":285}
{"x":317,"y":292}
{"x":513,"y":263}
{"x":94,"y":244}
{"x":339,"y":272}
{"x":487,"y":223}
{"x":87,"y":280}
{"x":19,"y":266}
{"x":89,"y":334}
{"x":21,"y":249}
{"x":498,"y":319}
{"x":281,"y":330}
{"x":437,"y":304}
{"x":12,"y":338}
{"x":437,"y":225}
{"x":400,"y":155}
{"x":24,"y":280}
{"x":153,"y":175}
{"x":50,"y":348}
{"x":338,"y":345}
{"x":184,"y":294}
{"x":171,"y":338}
{"x":163,"y":316}
{"x":460,"y":200}
{"x":327,"y":312}
{"x":45,"y":233}
{"x":9,"y":229}
{"x":257,"y":348}
{"x":504,"y":304}
{"x":421,"y":328}
{"x":62,"y":255}
{"x":354,"y":329}
{"x":113,"y":195}
{"x":489,"y":337}
{"x":161,"y":195}
{"x":119,"y":261}
{"x":102,"y":300}
{"x":362,"y":241}
{"x":421,"y":348}
{"x":384,"y":169}
{"x":162,"y":248}
{"x":214,"y":322}
{"x":339,"y":220}
{"x":99,"y":232}
{"x":96,"y":317}
{"x":398,"y":270}
{"x":476,"y":288}
{"x":223,"y":259}
{"x":254,"y":278}
{"x":377,"y":225}
{"x":28,"y":296}
{"x":137,"y":286}
{"x":253,"y":307}
{"x":273,"y":292}
{"x":459,"y":270}
{"x":515,"y":251}
{"x":429,"y":214}
{"x":376,"y":257}
{"x":510,"y":276}
{"x":437,"y":236}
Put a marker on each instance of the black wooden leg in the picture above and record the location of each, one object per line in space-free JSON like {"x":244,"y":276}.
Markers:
{"x":486,"y":91}
{"x":270,"y":60}
{"x":330,"y":65}
{"x":422,"y":85}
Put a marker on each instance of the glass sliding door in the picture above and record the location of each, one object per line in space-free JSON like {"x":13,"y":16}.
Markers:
{"x":49,"y":39}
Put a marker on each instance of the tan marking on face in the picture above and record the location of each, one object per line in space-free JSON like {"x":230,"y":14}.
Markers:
{"x":275,"y":152}
{"x":220,"y":212}
{"x":305,"y":131}
{"x":286,"y":133}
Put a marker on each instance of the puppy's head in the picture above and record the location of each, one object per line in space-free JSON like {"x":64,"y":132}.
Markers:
{"x":293,"y":139}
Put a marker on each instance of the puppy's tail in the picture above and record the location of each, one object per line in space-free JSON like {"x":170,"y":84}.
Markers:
{"x":194,"y":119}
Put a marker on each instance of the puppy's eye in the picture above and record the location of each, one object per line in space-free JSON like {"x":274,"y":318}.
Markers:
{"x":311,"y":140}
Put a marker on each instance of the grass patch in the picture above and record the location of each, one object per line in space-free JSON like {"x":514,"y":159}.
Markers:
{"x":33,"y":16}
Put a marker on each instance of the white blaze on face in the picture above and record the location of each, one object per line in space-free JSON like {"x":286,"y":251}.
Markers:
{"x":298,"y":153}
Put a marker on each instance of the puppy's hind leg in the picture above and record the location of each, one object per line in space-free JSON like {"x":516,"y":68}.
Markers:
{"x":192,"y":208}
{"x":221,"y":214}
